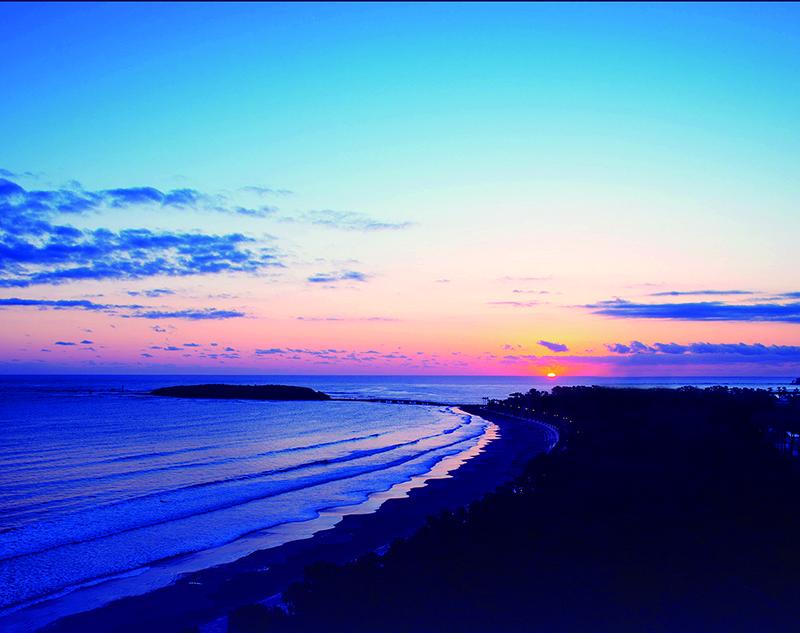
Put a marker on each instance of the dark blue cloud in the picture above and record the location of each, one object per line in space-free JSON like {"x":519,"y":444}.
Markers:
{"x":554,"y":347}
{"x":78,"y":200}
{"x":64,"y":343}
{"x":776,"y":360}
{"x":670,"y":348}
{"x":56,"y":255}
{"x":700,"y":311}
{"x":753,"y":349}
{"x":701,"y":348}
{"x":9,"y":189}
{"x":270,"y":351}
{"x":75,"y":199}
{"x":35,"y":250}
{"x":54,"y":303}
{"x":343,"y":275}
{"x":143,"y":195}
{"x":633,"y":347}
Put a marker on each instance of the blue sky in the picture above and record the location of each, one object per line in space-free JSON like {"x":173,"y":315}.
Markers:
{"x":125,"y":91}
{"x":607,"y":151}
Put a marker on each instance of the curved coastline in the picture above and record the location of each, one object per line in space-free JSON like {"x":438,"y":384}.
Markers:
{"x":208,"y":594}
{"x":160,"y":572}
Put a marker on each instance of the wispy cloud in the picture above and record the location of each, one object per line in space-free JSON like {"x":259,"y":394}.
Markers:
{"x":342,"y":275}
{"x":7,"y":173}
{"x":514,"y":304}
{"x":154,"y":292}
{"x":348,"y":221}
{"x":134,"y":311}
{"x":254,"y":212}
{"x":516,"y":278}
{"x":348,"y":319}
{"x":266,"y":191}
{"x":700,"y":311}
{"x":518,"y":358}
{"x":332,"y":355}
{"x":203,"y":314}
{"x":687,"y":293}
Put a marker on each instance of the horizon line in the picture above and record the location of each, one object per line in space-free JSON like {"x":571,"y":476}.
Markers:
{"x":542,"y":376}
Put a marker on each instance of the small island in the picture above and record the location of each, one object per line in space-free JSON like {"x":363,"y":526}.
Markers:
{"x":241,"y":392}
{"x":796,"y":381}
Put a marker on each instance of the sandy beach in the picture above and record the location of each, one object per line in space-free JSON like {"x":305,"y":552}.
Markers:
{"x":204,"y":598}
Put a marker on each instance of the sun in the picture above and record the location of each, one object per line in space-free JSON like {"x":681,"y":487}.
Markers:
{"x":551,"y":374}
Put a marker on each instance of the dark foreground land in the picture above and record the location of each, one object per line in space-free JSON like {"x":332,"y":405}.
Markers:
{"x":241,"y":392}
{"x":664,"y":510}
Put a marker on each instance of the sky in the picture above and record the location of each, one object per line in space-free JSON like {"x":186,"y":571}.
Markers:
{"x":501,"y":189}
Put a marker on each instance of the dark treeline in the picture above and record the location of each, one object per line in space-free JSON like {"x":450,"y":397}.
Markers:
{"x":663,"y":510}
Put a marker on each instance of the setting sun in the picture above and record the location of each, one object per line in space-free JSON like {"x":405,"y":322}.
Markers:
{"x":551,"y":374}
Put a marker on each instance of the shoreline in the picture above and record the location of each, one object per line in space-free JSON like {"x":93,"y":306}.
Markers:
{"x":207,"y":596}
{"x":95,"y":594}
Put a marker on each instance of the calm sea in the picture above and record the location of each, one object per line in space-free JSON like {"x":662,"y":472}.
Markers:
{"x":106,"y":491}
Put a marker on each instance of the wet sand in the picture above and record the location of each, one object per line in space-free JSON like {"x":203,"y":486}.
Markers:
{"x":204,"y":598}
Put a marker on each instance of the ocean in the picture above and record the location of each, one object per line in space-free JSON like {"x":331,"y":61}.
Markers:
{"x":106,"y":491}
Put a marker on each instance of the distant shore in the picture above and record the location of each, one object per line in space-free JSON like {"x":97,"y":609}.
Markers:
{"x":220,"y":391}
{"x":202,"y":597}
